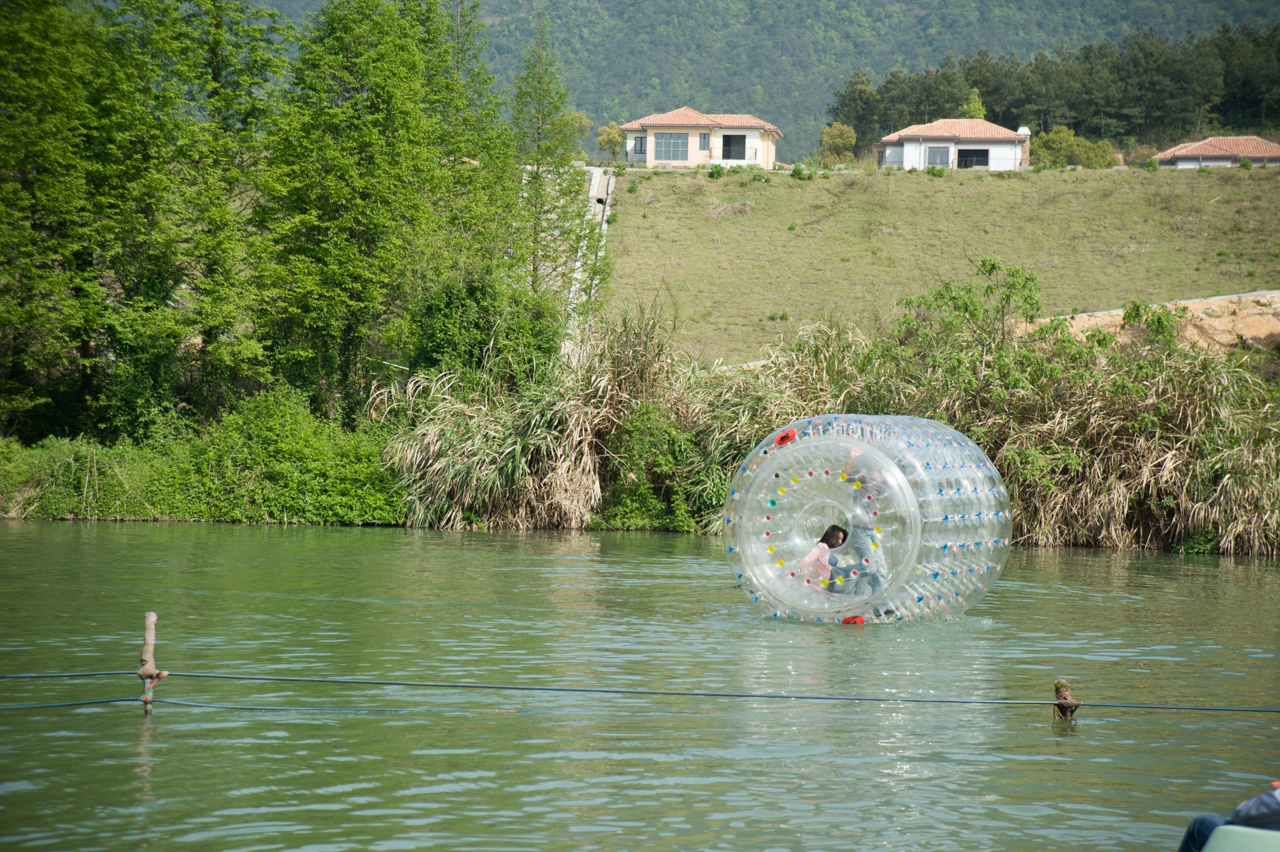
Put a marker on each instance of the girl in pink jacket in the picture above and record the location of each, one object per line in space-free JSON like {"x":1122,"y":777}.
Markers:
{"x":817,"y":566}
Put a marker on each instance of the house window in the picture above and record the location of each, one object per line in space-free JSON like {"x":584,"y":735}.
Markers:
{"x":671,"y":146}
{"x":704,"y":141}
{"x":973,"y":158}
{"x":640,"y":147}
{"x":940,"y":157}
{"x":735,"y":148}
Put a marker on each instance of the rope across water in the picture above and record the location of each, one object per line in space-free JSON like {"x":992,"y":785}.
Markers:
{"x":589,"y":690}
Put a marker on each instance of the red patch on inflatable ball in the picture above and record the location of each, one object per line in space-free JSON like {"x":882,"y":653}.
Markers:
{"x":785,"y":438}
{"x":853,"y":619}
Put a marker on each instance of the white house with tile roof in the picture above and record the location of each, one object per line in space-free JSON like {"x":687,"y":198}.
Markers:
{"x":1220,"y":151}
{"x":957,"y":143}
{"x":686,"y":137}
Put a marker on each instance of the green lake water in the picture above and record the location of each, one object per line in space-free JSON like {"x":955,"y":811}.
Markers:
{"x":482,"y":770}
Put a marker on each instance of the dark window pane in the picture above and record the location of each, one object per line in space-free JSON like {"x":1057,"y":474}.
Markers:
{"x":671,"y":146}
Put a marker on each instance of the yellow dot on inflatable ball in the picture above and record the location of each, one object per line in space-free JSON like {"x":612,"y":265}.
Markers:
{"x":878,"y":529}
{"x":857,"y":484}
{"x":782,"y":491}
{"x":839,"y":581}
{"x":843,"y":477}
{"x":771,"y":548}
{"x":794,"y":480}
{"x":824,"y":584}
{"x":875,"y":545}
{"x":779,"y":563}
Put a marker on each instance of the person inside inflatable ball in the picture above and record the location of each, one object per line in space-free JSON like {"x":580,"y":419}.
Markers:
{"x":820,"y":567}
{"x":1260,"y":812}
{"x":869,"y":572}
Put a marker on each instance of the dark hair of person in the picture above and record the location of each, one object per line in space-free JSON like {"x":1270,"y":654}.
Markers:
{"x":834,"y":536}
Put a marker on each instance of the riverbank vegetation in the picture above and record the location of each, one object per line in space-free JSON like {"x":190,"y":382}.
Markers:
{"x":1125,"y":441}
{"x":267,"y":460}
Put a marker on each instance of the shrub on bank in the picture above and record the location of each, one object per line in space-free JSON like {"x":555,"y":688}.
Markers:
{"x":1129,"y":440}
{"x":269,"y":461}
{"x":1060,"y":147}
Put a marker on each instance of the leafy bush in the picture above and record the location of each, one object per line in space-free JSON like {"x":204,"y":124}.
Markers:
{"x":936,"y":171}
{"x":716,"y":171}
{"x":799,"y":172}
{"x":1141,"y":157}
{"x":839,"y":140}
{"x":1246,"y":163}
{"x":644,"y":459}
{"x":1060,"y":147}
{"x":468,"y":325}
{"x":268,"y":461}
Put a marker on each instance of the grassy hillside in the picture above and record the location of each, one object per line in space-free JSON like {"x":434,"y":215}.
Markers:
{"x":725,"y":257}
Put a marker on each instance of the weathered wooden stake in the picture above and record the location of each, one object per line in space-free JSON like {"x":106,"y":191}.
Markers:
{"x":1066,"y":706}
{"x":149,"y":673}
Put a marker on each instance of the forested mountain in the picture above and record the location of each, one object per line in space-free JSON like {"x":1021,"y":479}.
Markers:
{"x":1145,"y":89}
{"x":783,"y":60}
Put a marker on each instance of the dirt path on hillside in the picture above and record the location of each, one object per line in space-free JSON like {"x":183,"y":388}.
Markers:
{"x":1216,"y":323}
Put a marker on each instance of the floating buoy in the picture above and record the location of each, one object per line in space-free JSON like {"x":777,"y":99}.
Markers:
{"x":927,"y":516}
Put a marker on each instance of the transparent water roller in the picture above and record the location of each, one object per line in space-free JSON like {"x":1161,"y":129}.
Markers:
{"x":926,"y":515}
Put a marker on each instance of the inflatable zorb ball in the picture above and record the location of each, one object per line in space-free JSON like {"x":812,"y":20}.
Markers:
{"x":926,"y":510}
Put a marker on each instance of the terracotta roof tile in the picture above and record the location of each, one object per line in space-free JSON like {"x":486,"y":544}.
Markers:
{"x":954,"y":128}
{"x":689,"y":117}
{"x":1223,"y":146}
{"x":683,"y":117}
{"x":730,"y":120}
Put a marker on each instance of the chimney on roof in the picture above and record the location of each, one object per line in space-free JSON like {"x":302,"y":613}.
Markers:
{"x":1024,"y":131}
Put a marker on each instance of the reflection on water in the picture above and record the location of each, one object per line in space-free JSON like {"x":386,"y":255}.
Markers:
{"x":556,"y":770}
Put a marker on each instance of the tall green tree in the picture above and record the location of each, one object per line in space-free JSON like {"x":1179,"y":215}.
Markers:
{"x":347,"y":186}
{"x":1101,"y":89}
{"x":858,"y":105}
{"x":50,"y":302}
{"x":463,"y":308}
{"x":236,"y":57}
{"x":997,"y":80}
{"x":1149,"y":70}
{"x":972,"y":107}
{"x":561,"y":244}
{"x":143,"y":132}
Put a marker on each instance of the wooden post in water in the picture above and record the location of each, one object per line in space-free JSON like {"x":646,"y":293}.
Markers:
{"x":149,"y":673}
{"x":1065,"y":706}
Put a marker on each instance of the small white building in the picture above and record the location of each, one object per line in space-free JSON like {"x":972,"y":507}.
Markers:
{"x":688,"y":138}
{"x":957,"y":143}
{"x":1220,"y":152}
